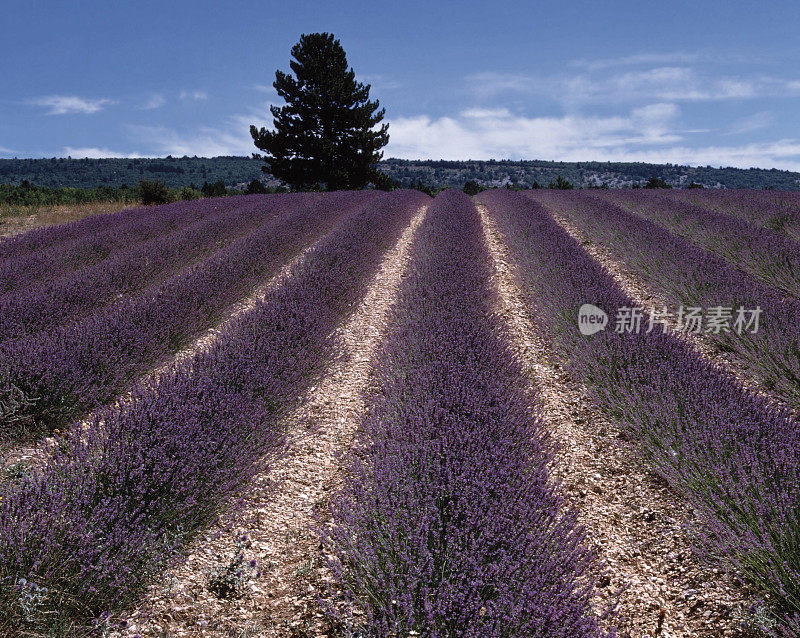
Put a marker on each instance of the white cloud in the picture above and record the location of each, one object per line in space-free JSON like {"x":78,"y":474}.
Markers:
{"x":664,"y":83}
{"x":70,"y":104}
{"x":676,"y":57}
{"x":379,"y":82}
{"x":231,"y":138}
{"x":754,"y":122}
{"x":155,"y":101}
{"x":491,"y":83}
{"x":483,"y":113}
{"x":783,"y":154}
{"x":656,"y":121}
{"x":203,"y":142}
{"x":656,"y":112}
{"x":193,"y":95}
{"x":647,"y":134}
{"x":95,"y":152}
{"x":498,"y":133}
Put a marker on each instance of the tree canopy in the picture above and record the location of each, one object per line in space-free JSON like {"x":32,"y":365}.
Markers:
{"x":326,"y":136}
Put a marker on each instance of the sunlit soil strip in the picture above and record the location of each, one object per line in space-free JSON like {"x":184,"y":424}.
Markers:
{"x":769,"y":257}
{"x":645,"y":298}
{"x":631,"y":517}
{"x":278,"y":512}
{"x":31,"y":455}
{"x":164,"y":469}
{"x":211,"y":336}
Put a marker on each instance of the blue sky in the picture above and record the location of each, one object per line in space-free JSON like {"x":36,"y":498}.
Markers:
{"x":701,"y":82}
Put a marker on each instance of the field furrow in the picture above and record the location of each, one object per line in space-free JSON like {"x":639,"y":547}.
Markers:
{"x":21,"y":457}
{"x":280,"y":507}
{"x":774,"y":210}
{"x":631,"y":517}
{"x":80,"y":293}
{"x":55,"y":377}
{"x":730,"y":454}
{"x":447,"y":523}
{"x":661,"y":270}
{"x":546,"y":413}
{"x":42,"y":255}
{"x":769,"y":257}
{"x":40,"y":239}
{"x":119,"y":502}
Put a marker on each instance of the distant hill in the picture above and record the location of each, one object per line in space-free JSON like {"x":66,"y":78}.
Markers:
{"x":236,"y":171}
{"x":613,"y":174}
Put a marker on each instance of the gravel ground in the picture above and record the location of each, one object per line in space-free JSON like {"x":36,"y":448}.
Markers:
{"x":278,"y":512}
{"x":633,"y":519}
{"x":30,"y":454}
{"x":646,"y":298}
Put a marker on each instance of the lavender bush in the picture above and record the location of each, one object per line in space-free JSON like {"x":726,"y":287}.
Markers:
{"x":119,"y":502}
{"x":45,"y":253}
{"x":40,"y":239}
{"x":774,"y":210}
{"x":682,"y":273}
{"x":734,"y":455}
{"x":44,"y":305}
{"x":447,"y":524}
{"x":770,"y":257}
{"x":76,"y":368}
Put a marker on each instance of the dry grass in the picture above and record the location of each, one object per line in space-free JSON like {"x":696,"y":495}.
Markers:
{"x":18,"y":219}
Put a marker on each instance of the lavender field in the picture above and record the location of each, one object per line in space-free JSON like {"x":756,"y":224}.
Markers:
{"x":356,"y":413}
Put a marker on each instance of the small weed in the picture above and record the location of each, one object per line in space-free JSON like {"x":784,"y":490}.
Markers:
{"x":756,"y":620}
{"x":229,"y":581}
{"x":303,"y":570}
{"x":31,"y":599}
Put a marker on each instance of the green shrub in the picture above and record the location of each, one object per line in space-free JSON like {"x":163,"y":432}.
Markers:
{"x":382,"y":182}
{"x":471,"y":187}
{"x":217,"y":189}
{"x":154,"y":193}
{"x":187,"y":192}
{"x":256,"y":187}
{"x":656,"y":182}
{"x":561,"y":184}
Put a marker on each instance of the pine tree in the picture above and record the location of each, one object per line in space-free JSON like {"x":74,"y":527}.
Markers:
{"x":325,"y":135}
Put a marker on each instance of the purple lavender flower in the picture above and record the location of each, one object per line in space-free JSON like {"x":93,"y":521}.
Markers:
{"x":448,"y":524}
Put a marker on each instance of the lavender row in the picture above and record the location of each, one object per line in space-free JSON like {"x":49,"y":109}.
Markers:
{"x":733,"y":454}
{"x":683,"y":274}
{"x":87,"y":532}
{"x":447,"y":524}
{"x":50,"y":379}
{"x":79,"y":293}
{"x":774,"y":210}
{"x":42,"y":238}
{"x":31,"y":258}
{"x":770,"y":257}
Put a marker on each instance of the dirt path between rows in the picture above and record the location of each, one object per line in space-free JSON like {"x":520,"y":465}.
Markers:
{"x":30,"y":455}
{"x":642,"y":297}
{"x":277,"y":517}
{"x":633,"y":519}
